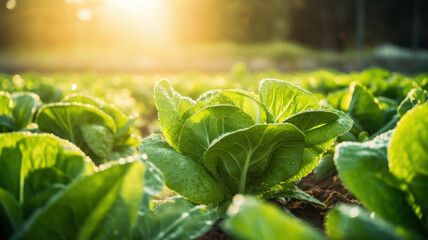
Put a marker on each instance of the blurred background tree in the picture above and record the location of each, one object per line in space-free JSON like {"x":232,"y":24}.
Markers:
{"x":100,"y":28}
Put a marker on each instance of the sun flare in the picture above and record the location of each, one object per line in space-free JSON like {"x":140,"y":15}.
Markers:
{"x":137,"y":18}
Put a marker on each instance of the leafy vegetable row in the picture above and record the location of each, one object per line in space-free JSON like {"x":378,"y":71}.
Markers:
{"x":98,"y":128}
{"x":51,"y":189}
{"x":226,"y":142}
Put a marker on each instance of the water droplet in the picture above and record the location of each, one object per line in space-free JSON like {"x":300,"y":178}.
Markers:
{"x":354,"y":212}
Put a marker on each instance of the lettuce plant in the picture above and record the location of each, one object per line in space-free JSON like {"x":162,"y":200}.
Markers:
{"x":232,"y":141}
{"x":17,"y":110}
{"x":50,"y":189}
{"x":34,"y":168}
{"x":100,"y":129}
{"x":389,"y":174}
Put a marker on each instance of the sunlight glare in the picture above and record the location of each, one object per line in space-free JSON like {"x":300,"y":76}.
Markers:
{"x":11,"y":4}
{"x":84,"y":14}
{"x":146,"y":18}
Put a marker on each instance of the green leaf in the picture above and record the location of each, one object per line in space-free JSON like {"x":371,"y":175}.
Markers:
{"x":103,"y":205}
{"x":250,"y":105}
{"x":391,"y":124}
{"x":239,"y":158}
{"x":246,"y":101}
{"x":124,"y":132}
{"x":321,"y":125}
{"x":42,"y":178}
{"x":251,"y":219}
{"x":123,"y":124}
{"x":16,"y":111}
{"x":122,"y":152}
{"x":24,"y":107}
{"x":201,"y":129}
{"x":311,"y":157}
{"x":179,"y":219}
{"x":353,"y":222}
{"x":7,"y":124}
{"x":339,"y":99}
{"x":364,"y":108}
{"x":326,"y":167}
{"x":66,"y":120}
{"x":153,"y":183}
{"x":416,"y":96}
{"x":363,"y":167}
{"x":22,"y":154}
{"x":99,"y":139}
{"x":6,"y":103}
{"x":41,"y":198}
{"x":208,"y":99}
{"x":11,"y":216}
{"x":171,"y":107}
{"x":182,"y":174}
{"x":289,"y":190}
{"x":284,"y":99}
{"x":408,"y":156}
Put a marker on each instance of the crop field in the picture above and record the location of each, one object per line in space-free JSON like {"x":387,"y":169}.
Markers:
{"x":232,"y":155}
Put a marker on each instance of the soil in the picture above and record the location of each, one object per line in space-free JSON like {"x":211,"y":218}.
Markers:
{"x":215,"y":233}
{"x":330,"y":191}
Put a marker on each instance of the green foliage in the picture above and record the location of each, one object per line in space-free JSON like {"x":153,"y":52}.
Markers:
{"x":408,"y":159}
{"x":202,"y":128}
{"x":230,"y":142}
{"x":415,"y":97}
{"x":326,"y":166}
{"x":11,"y":215}
{"x":173,"y":107}
{"x":389,"y":173}
{"x":182,"y":174}
{"x":252,"y":219}
{"x":175,"y":219}
{"x":98,"y":128}
{"x":224,"y":142}
{"x":284,"y":99}
{"x":49,"y":189}
{"x":353,"y":222}
{"x":246,"y":158}
{"x":290,"y":191}
{"x":24,"y":155}
{"x":17,"y":110}
{"x":364,"y":108}
{"x":99,"y":206}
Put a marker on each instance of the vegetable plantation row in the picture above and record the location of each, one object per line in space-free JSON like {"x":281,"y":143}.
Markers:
{"x":79,"y":164}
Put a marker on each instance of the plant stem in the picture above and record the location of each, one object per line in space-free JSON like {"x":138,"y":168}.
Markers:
{"x":244,"y":174}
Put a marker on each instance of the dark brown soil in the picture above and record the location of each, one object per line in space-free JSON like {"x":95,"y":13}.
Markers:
{"x":215,"y":233}
{"x":330,"y":191}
